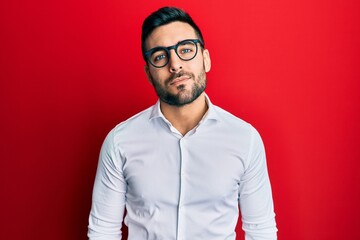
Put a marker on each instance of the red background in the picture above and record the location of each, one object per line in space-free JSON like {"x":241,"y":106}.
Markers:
{"x":71,"y":70}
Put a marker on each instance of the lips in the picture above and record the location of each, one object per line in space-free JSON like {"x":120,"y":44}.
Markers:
{"x":179,"y":80}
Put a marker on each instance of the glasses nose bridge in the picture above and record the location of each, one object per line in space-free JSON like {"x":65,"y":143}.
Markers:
{"x":174,"y":60}
{"x":174,"y":47}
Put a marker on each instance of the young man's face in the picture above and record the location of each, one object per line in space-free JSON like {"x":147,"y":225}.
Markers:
{"x":179,"y":82}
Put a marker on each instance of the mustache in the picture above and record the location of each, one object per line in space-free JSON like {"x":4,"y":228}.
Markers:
{"x":177,"y":75}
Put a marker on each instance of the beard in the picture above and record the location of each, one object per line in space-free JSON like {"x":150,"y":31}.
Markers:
{"x":184,"y":96}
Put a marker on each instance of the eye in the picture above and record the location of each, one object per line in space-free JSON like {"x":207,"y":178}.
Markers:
{"x":186,"y":50}
{"x":159,"y":57}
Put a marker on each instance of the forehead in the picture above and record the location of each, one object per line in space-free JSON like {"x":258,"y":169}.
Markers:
{"x":170,"y":34}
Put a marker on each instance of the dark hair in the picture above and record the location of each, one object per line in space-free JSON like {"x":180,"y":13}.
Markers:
{"x":164,"y":16}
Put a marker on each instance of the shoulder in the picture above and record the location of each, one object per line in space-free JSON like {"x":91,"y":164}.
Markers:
{"x":232,"y":125}
{"x":230,"y":120}
{"x":131,"y":127}
{"x":138,"y":120}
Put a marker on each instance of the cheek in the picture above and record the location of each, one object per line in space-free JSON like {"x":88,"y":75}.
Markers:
{"x":198,"y":68}
{"x":199,"y":64}
{"x":157,"y":76}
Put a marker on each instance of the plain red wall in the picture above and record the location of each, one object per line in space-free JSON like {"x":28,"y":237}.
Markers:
{"x":72,"y":70}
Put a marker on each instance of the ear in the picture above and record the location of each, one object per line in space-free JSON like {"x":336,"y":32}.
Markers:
{"x":207,"y":60}
{"x":147,"y":72}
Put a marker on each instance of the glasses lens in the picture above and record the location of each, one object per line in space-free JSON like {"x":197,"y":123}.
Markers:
{"x":159,"y":58}
{"x":187,"y":50}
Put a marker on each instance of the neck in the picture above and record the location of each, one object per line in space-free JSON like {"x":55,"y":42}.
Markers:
{"x":186,"y":117}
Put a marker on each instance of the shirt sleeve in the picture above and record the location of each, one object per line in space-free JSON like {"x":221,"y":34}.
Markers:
{"x":255,"y":197}
{"x":108,"y":200}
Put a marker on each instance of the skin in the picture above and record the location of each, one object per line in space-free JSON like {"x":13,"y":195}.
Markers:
{"x":179,"y":78}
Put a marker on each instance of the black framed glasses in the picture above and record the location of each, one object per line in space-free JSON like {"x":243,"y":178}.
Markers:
{"x":185,"y":50}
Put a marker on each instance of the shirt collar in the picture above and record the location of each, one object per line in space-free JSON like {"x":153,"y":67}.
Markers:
{"x":211,"y":114}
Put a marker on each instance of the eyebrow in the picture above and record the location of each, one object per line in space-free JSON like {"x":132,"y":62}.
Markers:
{"x":189,"y":39}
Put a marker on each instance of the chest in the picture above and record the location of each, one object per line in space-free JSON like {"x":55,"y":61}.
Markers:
{"x":192,"y":169}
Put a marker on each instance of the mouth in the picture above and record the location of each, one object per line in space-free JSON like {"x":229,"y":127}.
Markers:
{"x":179,"y":80}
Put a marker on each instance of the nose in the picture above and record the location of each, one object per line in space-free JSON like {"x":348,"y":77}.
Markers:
{"x":175,"y":63}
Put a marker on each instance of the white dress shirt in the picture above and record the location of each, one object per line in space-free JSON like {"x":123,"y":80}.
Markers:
{"x":182,"y":187}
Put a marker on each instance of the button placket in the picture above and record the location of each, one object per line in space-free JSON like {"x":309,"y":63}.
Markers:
{"x":182,"y":195}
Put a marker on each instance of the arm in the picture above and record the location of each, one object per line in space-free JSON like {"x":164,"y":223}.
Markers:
{"x":108,"y":201}
{"x":255,"y":197}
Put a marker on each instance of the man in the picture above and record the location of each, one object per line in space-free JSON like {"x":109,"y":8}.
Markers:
{"x":182,"y":167}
